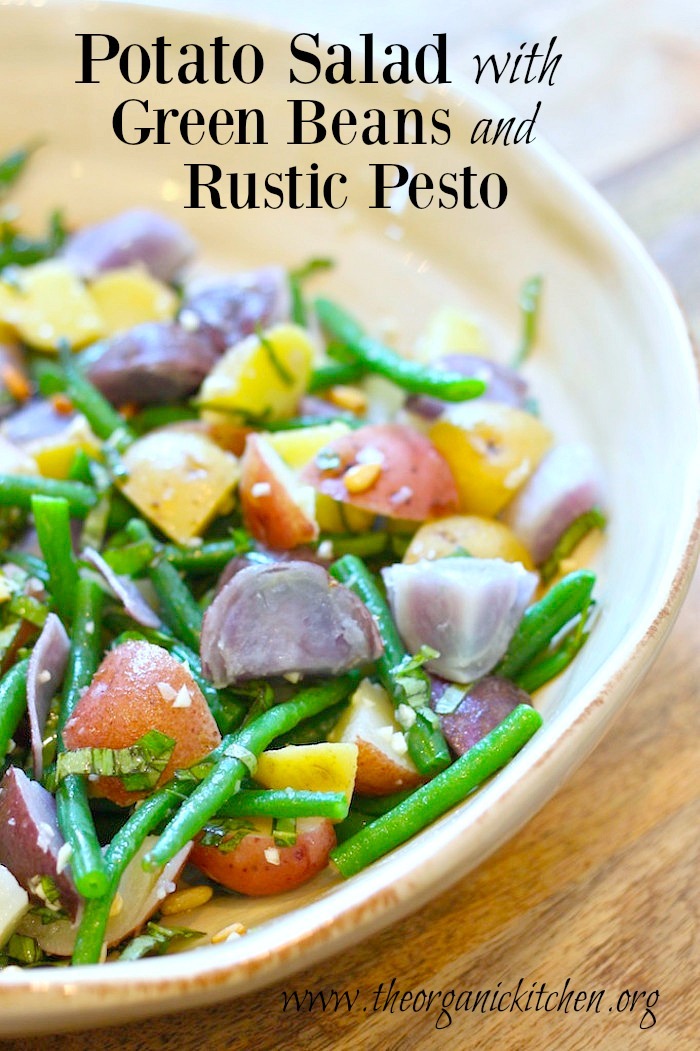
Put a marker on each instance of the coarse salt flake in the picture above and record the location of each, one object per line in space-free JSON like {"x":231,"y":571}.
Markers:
{"x":260,"y":489}
{"x":325,"y":550}
{"x":63,"y":857}
{"x":398,"y":743}
{"x":402,"y":495}
{"x":44,"y":676}
{"x":167,"y":692}
{"x":183,"y":699}
{"x":272,"y":856}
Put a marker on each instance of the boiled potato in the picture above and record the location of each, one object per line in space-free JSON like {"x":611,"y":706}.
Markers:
{"x":298,"y":447}
{"x":47,"y":304}
{"x":383,"y":766}
{"x":179,"y":480}
{"x":492,"y":450}
{"x":310,"y":767}
{"x":451,"y":331}
{"x":54,"y":455}
{"x":261,"y":377}
{"x":479,"y":537}
{"x":130,"y":296}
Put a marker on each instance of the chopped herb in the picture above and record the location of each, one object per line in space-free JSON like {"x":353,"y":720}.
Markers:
{"x":226,"y":832}
{"x":529,"y":302}
{"x":155,"y":940}
{"x":327,"y":460}
{"x":296,"y":280}
{"x":138,"y":767}
{"x":12,"y":166}
{"x":280,"y":368}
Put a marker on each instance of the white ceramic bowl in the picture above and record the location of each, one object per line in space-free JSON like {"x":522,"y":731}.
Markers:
{"x":613,"y":364}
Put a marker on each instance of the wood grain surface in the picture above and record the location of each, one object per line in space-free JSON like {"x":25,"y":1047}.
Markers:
{"x":600,"y":890}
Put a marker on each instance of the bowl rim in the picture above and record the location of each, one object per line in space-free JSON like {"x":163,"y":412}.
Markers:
{"x":349,"y":914}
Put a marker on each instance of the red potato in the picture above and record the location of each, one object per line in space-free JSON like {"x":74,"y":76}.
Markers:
{"x":383,"y":765}
{"x":277,"y":509}
{"x":140,"y":687}
{"x":249,"y":871}
{"x":413,"y":481}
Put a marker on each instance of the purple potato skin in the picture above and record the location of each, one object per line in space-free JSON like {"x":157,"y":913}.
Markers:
{"x":30,"y":839}
{"x":484,"y":706}
{"x":227,"y":311}
{"x":155,"y":362}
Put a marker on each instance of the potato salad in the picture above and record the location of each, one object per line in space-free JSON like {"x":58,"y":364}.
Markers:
{"x":274,"y":594}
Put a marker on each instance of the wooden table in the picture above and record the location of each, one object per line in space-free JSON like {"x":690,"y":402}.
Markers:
{"x":601,"y":888}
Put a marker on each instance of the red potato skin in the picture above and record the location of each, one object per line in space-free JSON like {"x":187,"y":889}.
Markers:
{"x":274,"y":519}
{"x":124,"y":701}
{"x":415,"y":482}
{"x":247,"y":870}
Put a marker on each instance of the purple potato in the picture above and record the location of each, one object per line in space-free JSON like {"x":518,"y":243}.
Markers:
{"x":30,"y":840}
{"x":229,"y":310}
{"x":136,"y":236}
{"x":483,"y":707}
{"x":155,"y":362}
{"x":282,"y":618}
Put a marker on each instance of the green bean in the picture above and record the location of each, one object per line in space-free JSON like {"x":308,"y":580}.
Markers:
{"x":227,"y":710}
{"x":31,"y":564}
{"x":131,"y":559}
{"x":541,"y":622}
{"x":364,"y":545}
{"x":426,"y":744}
{"x":103,"y":418}
{"x":285,"y":802}
{"x":17,"y":490}
{"x":336,"y":373}
{"x":178,"y":607}
{"x":431,"y":800}
{"x":351,"y":825}
{"x":296,"y":280}
{"x":207,"y":558}
{"x":554,"y":661}
{"x":316,"y":730}
{"x":160,"y":416}
{"x":73,"y":810}
{"x":48,"y":376}
{"x":225,"y":779}
{"x":125,"y":844}
{"x":570,"y":539}
{"x":529,"y":301}
{"x":409,"y":375}
{"x":52,"y":522}
{"x":13,"y":703}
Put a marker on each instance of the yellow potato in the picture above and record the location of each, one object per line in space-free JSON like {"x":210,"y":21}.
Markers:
{"x":179,"y":481}
{"x":130,"y":296}
{"x":451,"y":331}
{"x":263,"y":378}
{"x":54,"y":455}
{"x":298,"y":447}
{"x":310,"y":767}
{"x":47,"y":304}
{"x":479,"y":537}
{"x":492,"y":450}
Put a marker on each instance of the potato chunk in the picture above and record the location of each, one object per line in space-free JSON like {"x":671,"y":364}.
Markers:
{"x":179,"y":480}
